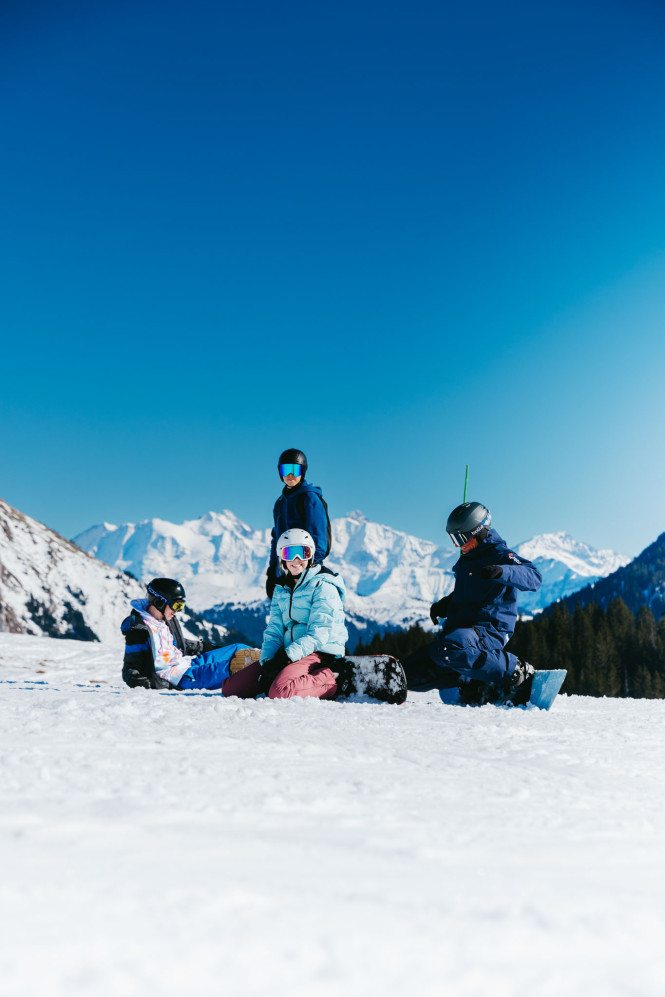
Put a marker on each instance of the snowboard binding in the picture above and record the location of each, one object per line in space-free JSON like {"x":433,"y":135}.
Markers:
{"x":380,"y":677}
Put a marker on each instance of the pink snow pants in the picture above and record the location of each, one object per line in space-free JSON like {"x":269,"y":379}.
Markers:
{"x":310,"y":676}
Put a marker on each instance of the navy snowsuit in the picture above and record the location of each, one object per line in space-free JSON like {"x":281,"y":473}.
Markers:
{"x":480,"y":621}
{"x":302,"y":508}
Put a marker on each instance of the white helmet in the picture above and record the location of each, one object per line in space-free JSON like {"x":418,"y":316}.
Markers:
{"x":296,"y":543}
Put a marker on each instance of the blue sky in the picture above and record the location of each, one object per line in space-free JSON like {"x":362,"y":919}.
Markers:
{"x":401,"y":236}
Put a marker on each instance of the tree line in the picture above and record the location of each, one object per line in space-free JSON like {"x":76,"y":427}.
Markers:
{"x":606,"y":652}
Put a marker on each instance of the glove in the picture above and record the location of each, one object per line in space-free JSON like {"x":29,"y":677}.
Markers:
{"x":194,"y":647}
{"x":271,"y":581}
{"x":439,"y":609}
{"x":491,"y":571}
{"x":270,"y":669}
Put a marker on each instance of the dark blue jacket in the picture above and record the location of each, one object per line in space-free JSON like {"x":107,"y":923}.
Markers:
{"x":477,"y":601}
{"x":300,"y":507}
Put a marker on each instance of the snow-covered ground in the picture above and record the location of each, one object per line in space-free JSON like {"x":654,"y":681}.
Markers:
{"x":161,"y":843}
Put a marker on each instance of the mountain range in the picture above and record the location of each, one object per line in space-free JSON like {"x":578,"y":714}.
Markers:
{"x":81,"y":588}
{"x":391,"y":577}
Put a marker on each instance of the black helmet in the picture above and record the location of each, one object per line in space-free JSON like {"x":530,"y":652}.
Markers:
{"x":292,"y":457}
{"x":471,"y":519}
{"x":163,"y":592}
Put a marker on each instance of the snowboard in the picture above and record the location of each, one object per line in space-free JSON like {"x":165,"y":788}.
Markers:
{"x":377,"y":676}
{"x":544,"y":690}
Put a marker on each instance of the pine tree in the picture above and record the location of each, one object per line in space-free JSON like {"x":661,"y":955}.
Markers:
{"x":622,"y":626}
{"x":645,"y":662}
{"x":605,"y":672}
{"x":399,"y":643}
{"x":582,"y":665}
{"x":659,"y":670}
{"x":560,"y":638}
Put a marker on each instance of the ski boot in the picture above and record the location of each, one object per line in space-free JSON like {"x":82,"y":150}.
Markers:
{"x":520,"y":683}
{"x":473,"y":692}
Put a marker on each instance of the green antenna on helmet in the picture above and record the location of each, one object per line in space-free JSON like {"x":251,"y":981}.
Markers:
{"x":466,"y":481}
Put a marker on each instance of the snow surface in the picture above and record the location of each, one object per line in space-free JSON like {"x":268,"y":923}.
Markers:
{"x":160,"y":843}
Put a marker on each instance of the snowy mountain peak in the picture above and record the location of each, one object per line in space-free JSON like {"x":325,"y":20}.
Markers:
{"x":356,"y":516}
{"x":579,"y":557}
{"x":214,"y":523}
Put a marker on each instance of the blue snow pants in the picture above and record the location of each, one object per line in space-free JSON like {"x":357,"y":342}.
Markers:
{"x":208,"y":671}
{"x":466,"y":653}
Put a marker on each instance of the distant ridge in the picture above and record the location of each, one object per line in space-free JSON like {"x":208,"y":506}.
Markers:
{"x":639,"y":583}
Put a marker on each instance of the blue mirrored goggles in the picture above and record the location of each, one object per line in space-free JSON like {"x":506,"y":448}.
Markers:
{"x":297,"y":550}
{"x":286,"y":469}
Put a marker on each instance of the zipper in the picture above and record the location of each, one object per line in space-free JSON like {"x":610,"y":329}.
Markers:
{"x":291,"y":617}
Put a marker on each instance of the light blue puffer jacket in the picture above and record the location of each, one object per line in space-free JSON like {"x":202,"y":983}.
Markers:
{"x":308,"y":617}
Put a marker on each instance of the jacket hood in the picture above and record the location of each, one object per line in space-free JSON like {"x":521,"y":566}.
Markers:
{"x":304,"y":486}
{"x":141,"y":606}
{"x":495,"y":539}
{"x":492,"y":540}
{"x":317,"y":573}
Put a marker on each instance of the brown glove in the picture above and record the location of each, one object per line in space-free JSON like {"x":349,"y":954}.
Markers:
{"x":244,"y":656}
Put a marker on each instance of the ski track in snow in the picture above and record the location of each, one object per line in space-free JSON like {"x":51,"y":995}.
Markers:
{"x":154,"y":843}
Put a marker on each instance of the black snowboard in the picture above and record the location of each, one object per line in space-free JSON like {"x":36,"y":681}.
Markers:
{"x":377,"y":676}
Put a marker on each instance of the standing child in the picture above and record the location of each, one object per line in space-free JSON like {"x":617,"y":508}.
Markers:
{"x":300,"y":506}
{"x":479,"y":614}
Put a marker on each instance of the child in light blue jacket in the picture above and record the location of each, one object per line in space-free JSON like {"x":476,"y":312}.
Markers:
{"x":305,"y":636}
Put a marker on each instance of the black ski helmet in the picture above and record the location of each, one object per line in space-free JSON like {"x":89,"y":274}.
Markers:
{"x":467,"y":521}
{"x":163,"y":592}
{"x":292,"y":457}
